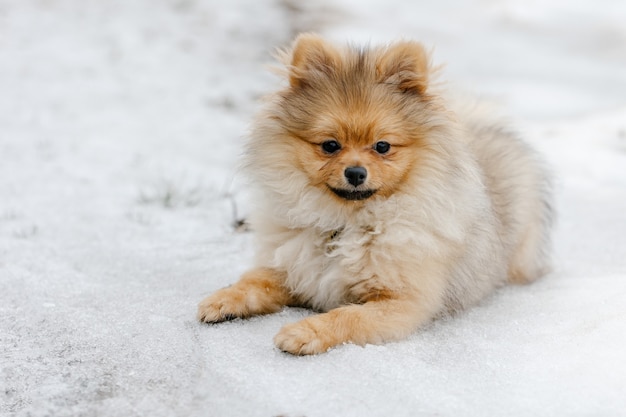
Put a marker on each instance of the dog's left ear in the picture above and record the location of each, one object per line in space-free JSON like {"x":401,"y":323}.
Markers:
{"x":406,"y":65}
{"x":311,"y":56}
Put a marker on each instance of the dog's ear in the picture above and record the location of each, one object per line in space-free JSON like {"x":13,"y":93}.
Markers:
{"x":310,"y":57}
{"x":406,"y":65}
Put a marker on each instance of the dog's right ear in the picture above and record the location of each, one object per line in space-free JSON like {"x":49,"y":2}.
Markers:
{"x":405,"y":64}
{"x":310,"y":57}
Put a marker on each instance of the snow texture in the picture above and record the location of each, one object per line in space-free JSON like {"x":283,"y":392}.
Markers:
{"x":121,"y":124}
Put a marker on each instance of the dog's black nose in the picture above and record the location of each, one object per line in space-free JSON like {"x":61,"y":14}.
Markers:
{"x":355,"y":175}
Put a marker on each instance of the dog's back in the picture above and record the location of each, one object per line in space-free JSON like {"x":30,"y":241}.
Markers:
{"x":518,"y":185}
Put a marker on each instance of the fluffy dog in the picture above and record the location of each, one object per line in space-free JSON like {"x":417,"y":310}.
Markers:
{"x":381,"y":203}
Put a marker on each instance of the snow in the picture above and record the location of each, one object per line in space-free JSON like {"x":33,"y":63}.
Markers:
{"x":121,"y":124}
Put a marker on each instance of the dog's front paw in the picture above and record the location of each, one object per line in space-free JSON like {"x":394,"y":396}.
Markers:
{"x":306,"y":337}
{"x":224,"y":305}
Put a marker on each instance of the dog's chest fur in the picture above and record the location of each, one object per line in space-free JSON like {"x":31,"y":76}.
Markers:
{"x":322,"y":266}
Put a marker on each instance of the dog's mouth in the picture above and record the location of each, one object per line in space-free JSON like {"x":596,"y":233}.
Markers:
{"x":352,"y":195}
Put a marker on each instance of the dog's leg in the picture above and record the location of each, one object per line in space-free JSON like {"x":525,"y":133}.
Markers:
{"x":374,"y":322}
{"x":530,"y":259}
{"x":259,"y":291}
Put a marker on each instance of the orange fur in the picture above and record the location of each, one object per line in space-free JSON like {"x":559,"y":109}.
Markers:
{"x":420,"y":206}
{"x":259,"y":291}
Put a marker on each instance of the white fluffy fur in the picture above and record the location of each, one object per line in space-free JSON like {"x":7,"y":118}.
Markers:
{"x":467,"y":212}
{"x":450,"y":216}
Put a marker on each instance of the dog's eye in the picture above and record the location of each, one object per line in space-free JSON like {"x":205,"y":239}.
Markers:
{"x":382,"y":147}
{"x":331,"y":146}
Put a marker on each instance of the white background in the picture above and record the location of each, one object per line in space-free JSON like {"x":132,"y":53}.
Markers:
{"x":121,"y":124}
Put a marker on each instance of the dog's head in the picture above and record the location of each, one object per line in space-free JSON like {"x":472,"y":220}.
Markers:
{"x":356,"y":119}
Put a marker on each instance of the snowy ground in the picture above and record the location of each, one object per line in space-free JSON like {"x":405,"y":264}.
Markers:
{"x":120,"y":127}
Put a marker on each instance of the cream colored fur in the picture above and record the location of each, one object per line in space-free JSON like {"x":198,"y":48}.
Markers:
{"x":474,"y":214}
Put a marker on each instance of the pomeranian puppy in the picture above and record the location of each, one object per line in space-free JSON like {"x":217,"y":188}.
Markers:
{"x":381,"y":204}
